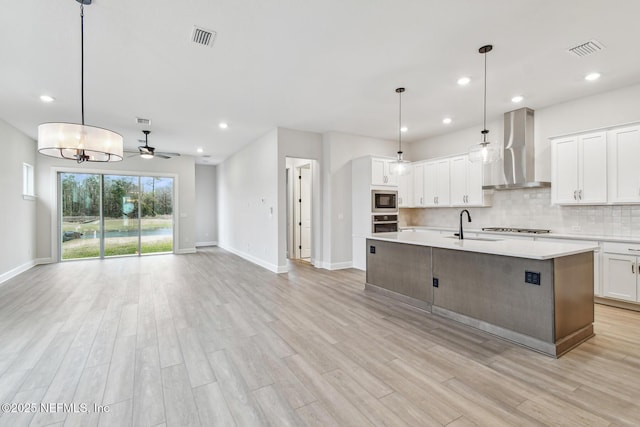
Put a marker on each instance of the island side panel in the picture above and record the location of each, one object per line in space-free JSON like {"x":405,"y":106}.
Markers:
{"x":492,"y":288}
{"x":400,"y":268}
{"x":573,"y":292}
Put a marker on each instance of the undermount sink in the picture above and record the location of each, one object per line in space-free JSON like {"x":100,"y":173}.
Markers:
{"x":481,"y":239}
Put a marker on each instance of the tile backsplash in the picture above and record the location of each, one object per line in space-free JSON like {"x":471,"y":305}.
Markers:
{"x":531,"y":208}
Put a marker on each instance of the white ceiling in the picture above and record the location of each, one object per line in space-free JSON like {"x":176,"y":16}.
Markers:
{"x":329,"y":65}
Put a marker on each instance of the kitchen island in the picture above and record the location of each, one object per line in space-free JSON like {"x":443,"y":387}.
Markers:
{"x":537,"y":294}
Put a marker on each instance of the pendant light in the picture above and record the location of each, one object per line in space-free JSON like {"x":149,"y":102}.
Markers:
{"x":80,"y":142}
{"x":484,"y":152}
{"x":399,"y":166}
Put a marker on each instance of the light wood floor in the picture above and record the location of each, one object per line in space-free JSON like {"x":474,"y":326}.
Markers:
{"x":210,"y":339}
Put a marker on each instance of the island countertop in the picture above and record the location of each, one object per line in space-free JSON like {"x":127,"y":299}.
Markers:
{"x":507,"y":247}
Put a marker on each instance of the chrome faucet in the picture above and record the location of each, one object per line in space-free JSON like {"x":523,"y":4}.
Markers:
{"x":460,"y":233}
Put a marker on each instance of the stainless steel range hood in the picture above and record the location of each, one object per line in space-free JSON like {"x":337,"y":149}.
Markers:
{"x":518,"y":165}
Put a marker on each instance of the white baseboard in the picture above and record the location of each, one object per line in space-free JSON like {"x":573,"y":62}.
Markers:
{"x":15,"y":271}
{"x":257,"y":261}
{"x":202,"y":244}
{"x":337,"y":265}
{"x":185,"y":251}
{"x":40,"y":261}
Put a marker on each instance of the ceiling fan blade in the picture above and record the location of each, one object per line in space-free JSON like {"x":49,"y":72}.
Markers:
{"x":162,"y":156}
{"x":168,"y":154}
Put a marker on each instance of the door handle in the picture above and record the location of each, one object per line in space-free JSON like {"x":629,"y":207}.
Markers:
{"x":632,"y":269}
{"x":579,"y":194}
{"x":575,"y":194}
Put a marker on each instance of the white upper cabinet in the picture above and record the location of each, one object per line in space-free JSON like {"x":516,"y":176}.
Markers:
{"x":380,"y":173}
{"x":418,"y":185}
{"x":579,"y":169}
{"x":436,"y":183}
{"x":405,"y":188}
{"x":466,"y":182}
{"x":624,"y":167}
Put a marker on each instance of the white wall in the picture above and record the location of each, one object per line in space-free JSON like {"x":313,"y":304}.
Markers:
{"x":206,"y":211}
{"x":248,"y":202}
{"x":181,"y":168}
{"x":338,"y":151}
{"x":17,"y":216}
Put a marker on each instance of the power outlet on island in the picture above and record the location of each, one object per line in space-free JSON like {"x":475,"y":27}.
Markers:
{"x":532,"y":277}
{"x":436,"y":282}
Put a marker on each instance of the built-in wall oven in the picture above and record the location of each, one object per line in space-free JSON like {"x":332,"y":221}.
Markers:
{"x":384,"y":201}
{"x":384,"y":223}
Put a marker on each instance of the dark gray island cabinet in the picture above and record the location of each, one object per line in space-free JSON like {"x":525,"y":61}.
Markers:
{"x":537,"y":294}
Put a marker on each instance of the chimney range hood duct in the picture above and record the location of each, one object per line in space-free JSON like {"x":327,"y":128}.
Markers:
{"x":518,"y":153}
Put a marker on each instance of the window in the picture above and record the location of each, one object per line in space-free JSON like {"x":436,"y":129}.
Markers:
{"x":28,"y":191}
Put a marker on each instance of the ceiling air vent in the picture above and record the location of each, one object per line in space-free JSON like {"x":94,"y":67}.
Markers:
{"x":144,"y":122}
{"x":202,"y":36}
{"x":584,"y":49}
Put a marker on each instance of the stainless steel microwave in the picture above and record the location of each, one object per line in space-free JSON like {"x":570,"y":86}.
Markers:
{"x":384,"y":201}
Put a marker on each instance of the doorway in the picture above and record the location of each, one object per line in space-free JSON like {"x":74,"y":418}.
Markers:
{"x":299,"y":208}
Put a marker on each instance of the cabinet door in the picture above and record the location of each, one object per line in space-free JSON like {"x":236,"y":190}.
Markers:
{"x":418,"y":184}
{"x":459,"y":181}
{"x":623,"y":166}
{"x":378,"y":170}
{"x":565,"y":171}
{"x":391,"y":179}
{"x":620,"y":273}
{"x":475,"y":181}
{"x":593,"y":168}
{"x":430,"y":183}
{"x":405,"y":188}
{"x":443,"y":189}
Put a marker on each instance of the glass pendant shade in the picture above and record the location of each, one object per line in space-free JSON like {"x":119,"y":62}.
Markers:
{"x":79,"y":142}
{"x":399,"y":166}
{"x":483,"y":152}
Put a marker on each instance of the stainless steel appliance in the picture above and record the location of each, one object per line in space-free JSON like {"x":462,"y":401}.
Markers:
{"x":384,"y":201}
{"x":516,"y":230}
{"x":384,"y":223}
{"x":518,"y":156}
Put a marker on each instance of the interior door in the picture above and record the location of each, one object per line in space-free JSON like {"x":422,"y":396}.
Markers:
{"x":305,"y":211}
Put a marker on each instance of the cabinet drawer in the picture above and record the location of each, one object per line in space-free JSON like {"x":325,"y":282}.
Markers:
{"x":621,"y":248}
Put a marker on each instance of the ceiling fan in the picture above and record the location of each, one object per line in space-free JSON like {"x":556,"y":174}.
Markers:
{"x":148,"y":152}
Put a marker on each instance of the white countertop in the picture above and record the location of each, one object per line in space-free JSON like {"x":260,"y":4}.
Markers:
{"x":552,"y":235}
{"x":509,"y":247}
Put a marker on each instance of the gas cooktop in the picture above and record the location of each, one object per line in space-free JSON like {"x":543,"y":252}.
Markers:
{"x":516,"y":230}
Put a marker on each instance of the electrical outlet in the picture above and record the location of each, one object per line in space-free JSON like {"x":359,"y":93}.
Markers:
{"x":532,"y":277}
{"x":372,"y":249}
{"x":436,"y":282}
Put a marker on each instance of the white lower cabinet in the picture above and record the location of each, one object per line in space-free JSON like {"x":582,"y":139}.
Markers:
{"x":621,"y":262}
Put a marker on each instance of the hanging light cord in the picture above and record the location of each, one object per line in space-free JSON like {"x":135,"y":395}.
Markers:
{"x":400,"y":125}
{"x":82,"y":59}
{"x":484,"y":119}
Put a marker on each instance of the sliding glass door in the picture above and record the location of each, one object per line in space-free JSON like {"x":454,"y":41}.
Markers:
{"x":81,"y":229}
{"x":115,"y":215}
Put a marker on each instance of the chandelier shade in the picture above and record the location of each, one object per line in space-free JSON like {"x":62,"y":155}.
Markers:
{"x":78,"y":142}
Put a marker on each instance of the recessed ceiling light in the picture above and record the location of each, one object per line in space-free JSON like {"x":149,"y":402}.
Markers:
{"x":446,"y":120}
{"x":199,"y":150}
{"x":46,"y":98}
{"x":592,"y":76}
{"x":404,"y":129}
{"x":462,"y":81}
{"x":516,"y":99}
{"x":223,"y":125}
